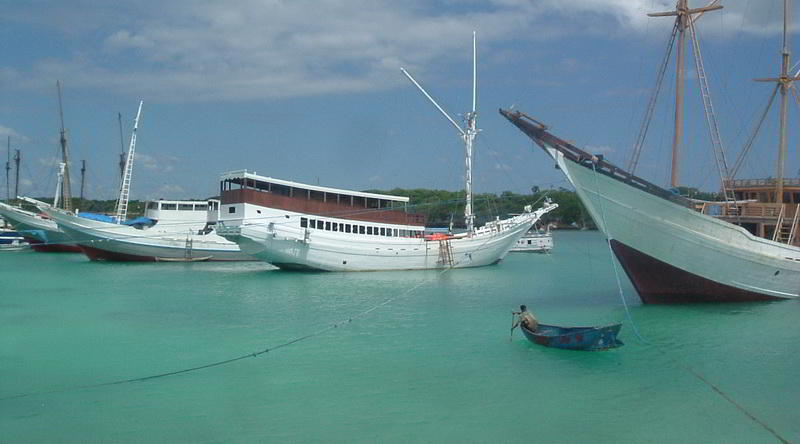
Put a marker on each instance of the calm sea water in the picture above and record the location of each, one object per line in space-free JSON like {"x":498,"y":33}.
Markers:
{"x":432,"y":365}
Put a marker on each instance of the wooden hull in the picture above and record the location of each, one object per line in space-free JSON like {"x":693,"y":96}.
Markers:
{"x":575,"y":338}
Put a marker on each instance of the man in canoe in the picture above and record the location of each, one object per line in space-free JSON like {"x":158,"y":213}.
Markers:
{"x":525,"y":318}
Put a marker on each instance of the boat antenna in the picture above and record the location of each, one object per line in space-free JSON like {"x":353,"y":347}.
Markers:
{"x":467,"y":135}
{"x":125,"y":187}
{"x":66,"y":191}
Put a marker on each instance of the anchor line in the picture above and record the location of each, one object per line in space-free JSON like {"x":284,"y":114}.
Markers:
{"x":238,"y":358}
{"x":675,"y":360}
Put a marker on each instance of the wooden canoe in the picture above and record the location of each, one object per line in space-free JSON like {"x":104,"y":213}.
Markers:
{"x":575,"y":338}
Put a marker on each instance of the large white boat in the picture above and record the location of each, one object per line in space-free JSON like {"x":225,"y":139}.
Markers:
{"x":299,"y":226}
{"x":170,"y":230}
{"x":309,"y":227}
{"x":672,"y":249}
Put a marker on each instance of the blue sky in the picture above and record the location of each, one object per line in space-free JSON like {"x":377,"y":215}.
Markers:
{"x":312,"y":90}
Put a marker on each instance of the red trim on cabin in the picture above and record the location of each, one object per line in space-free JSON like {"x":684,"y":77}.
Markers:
{"x":301,"y":204}
{"x":658,"y":282}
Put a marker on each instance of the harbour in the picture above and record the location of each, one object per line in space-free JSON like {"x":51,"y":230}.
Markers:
{"x":361,"y":286}
{"x":433,"y":364}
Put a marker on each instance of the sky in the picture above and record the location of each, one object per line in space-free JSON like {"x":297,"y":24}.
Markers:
{"x":312,"y":91}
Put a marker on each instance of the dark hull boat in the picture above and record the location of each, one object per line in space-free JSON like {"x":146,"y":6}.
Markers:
{"x":575,"y":338}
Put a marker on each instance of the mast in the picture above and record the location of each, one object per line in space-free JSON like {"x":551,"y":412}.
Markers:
{"x":121,"y":149}
{"x":125,"y":187}
{"x":83,"y":176}
{"x":8,"y":171}
{"x":468,"y":135}
{"x":17,"y":158}
{"x":786,"y":83}
{"x":66,"y":190}
{"x":684,"y":19}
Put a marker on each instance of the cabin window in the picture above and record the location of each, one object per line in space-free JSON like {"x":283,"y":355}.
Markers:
{"x":316,"y":195}
{"x":201,"y":207}
{"x":185,"y":207}
{"x":395,"y":232}
{"x":152,"y":205}
{"x":303,"y":222}
{"x":383,"y":231}
{"x":360,"y":229}
{"x":282,"y":190}
{"x":369,"y":230}
{"x":335,"y":226}
{"x":347,"y":228}
{"x":328,"y":226}
{"x":231,"y":209}
{"x":313,"y":223}
{"x":320,"y":225}
{"x":166,"y":206}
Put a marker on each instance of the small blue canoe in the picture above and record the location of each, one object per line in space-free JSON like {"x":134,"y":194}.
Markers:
{"x":575,"y":338}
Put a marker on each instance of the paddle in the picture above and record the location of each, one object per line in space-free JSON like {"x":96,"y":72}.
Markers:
{"x":511,"y":336}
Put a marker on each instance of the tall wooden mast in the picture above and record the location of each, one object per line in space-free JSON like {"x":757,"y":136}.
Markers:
{"x":684,"y":19}
{"x":784,"y":85}
{"x":66,"y":190}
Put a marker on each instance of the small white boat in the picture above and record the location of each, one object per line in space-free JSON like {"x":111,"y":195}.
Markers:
{"x":534,"y":241}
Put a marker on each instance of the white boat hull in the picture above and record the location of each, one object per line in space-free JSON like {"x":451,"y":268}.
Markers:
{"x":287,"y":245}
{"x":43,"y":234}
{"x":675,"y":254}
{"x":108,"y":241}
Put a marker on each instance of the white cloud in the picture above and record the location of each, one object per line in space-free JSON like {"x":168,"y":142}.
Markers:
{"x":160,"y":163}
{"x":170,"y":191}
{"x":208,"y":50}
{"x":16,"y":137}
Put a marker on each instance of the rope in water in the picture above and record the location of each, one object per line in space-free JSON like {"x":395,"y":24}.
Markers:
{"x":231,"y":360}
{"x":239,"y":358}
{"x":681,"y":364}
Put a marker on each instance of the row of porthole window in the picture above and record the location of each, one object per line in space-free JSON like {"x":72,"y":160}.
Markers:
{"x":357,"y":229}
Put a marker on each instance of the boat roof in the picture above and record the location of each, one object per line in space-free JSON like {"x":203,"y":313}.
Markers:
{"x":242,"y":174}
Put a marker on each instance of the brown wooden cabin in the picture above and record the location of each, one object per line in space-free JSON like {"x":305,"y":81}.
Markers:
{"x":756,"y":208}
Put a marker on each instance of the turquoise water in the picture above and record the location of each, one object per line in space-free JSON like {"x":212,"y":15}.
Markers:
{"x":434,"y":364}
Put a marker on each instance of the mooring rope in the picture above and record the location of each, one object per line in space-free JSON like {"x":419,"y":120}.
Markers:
{"x":611,"y":255}
{"x":680,"y":363}
{"x":230,"y":360}
{"x":244,"y":356}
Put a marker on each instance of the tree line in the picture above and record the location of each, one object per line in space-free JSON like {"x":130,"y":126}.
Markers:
{"x":443,"y":208}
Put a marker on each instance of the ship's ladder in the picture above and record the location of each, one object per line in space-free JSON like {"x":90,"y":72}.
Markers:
{"x":187,"y":252}
{"x":445,"y":253}
{"x":786,"y":228}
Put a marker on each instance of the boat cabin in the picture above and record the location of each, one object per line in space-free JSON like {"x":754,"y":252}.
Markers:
{"x":196,"y":214}
{"x":756,"y":208}
{"x":242,"y":187}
